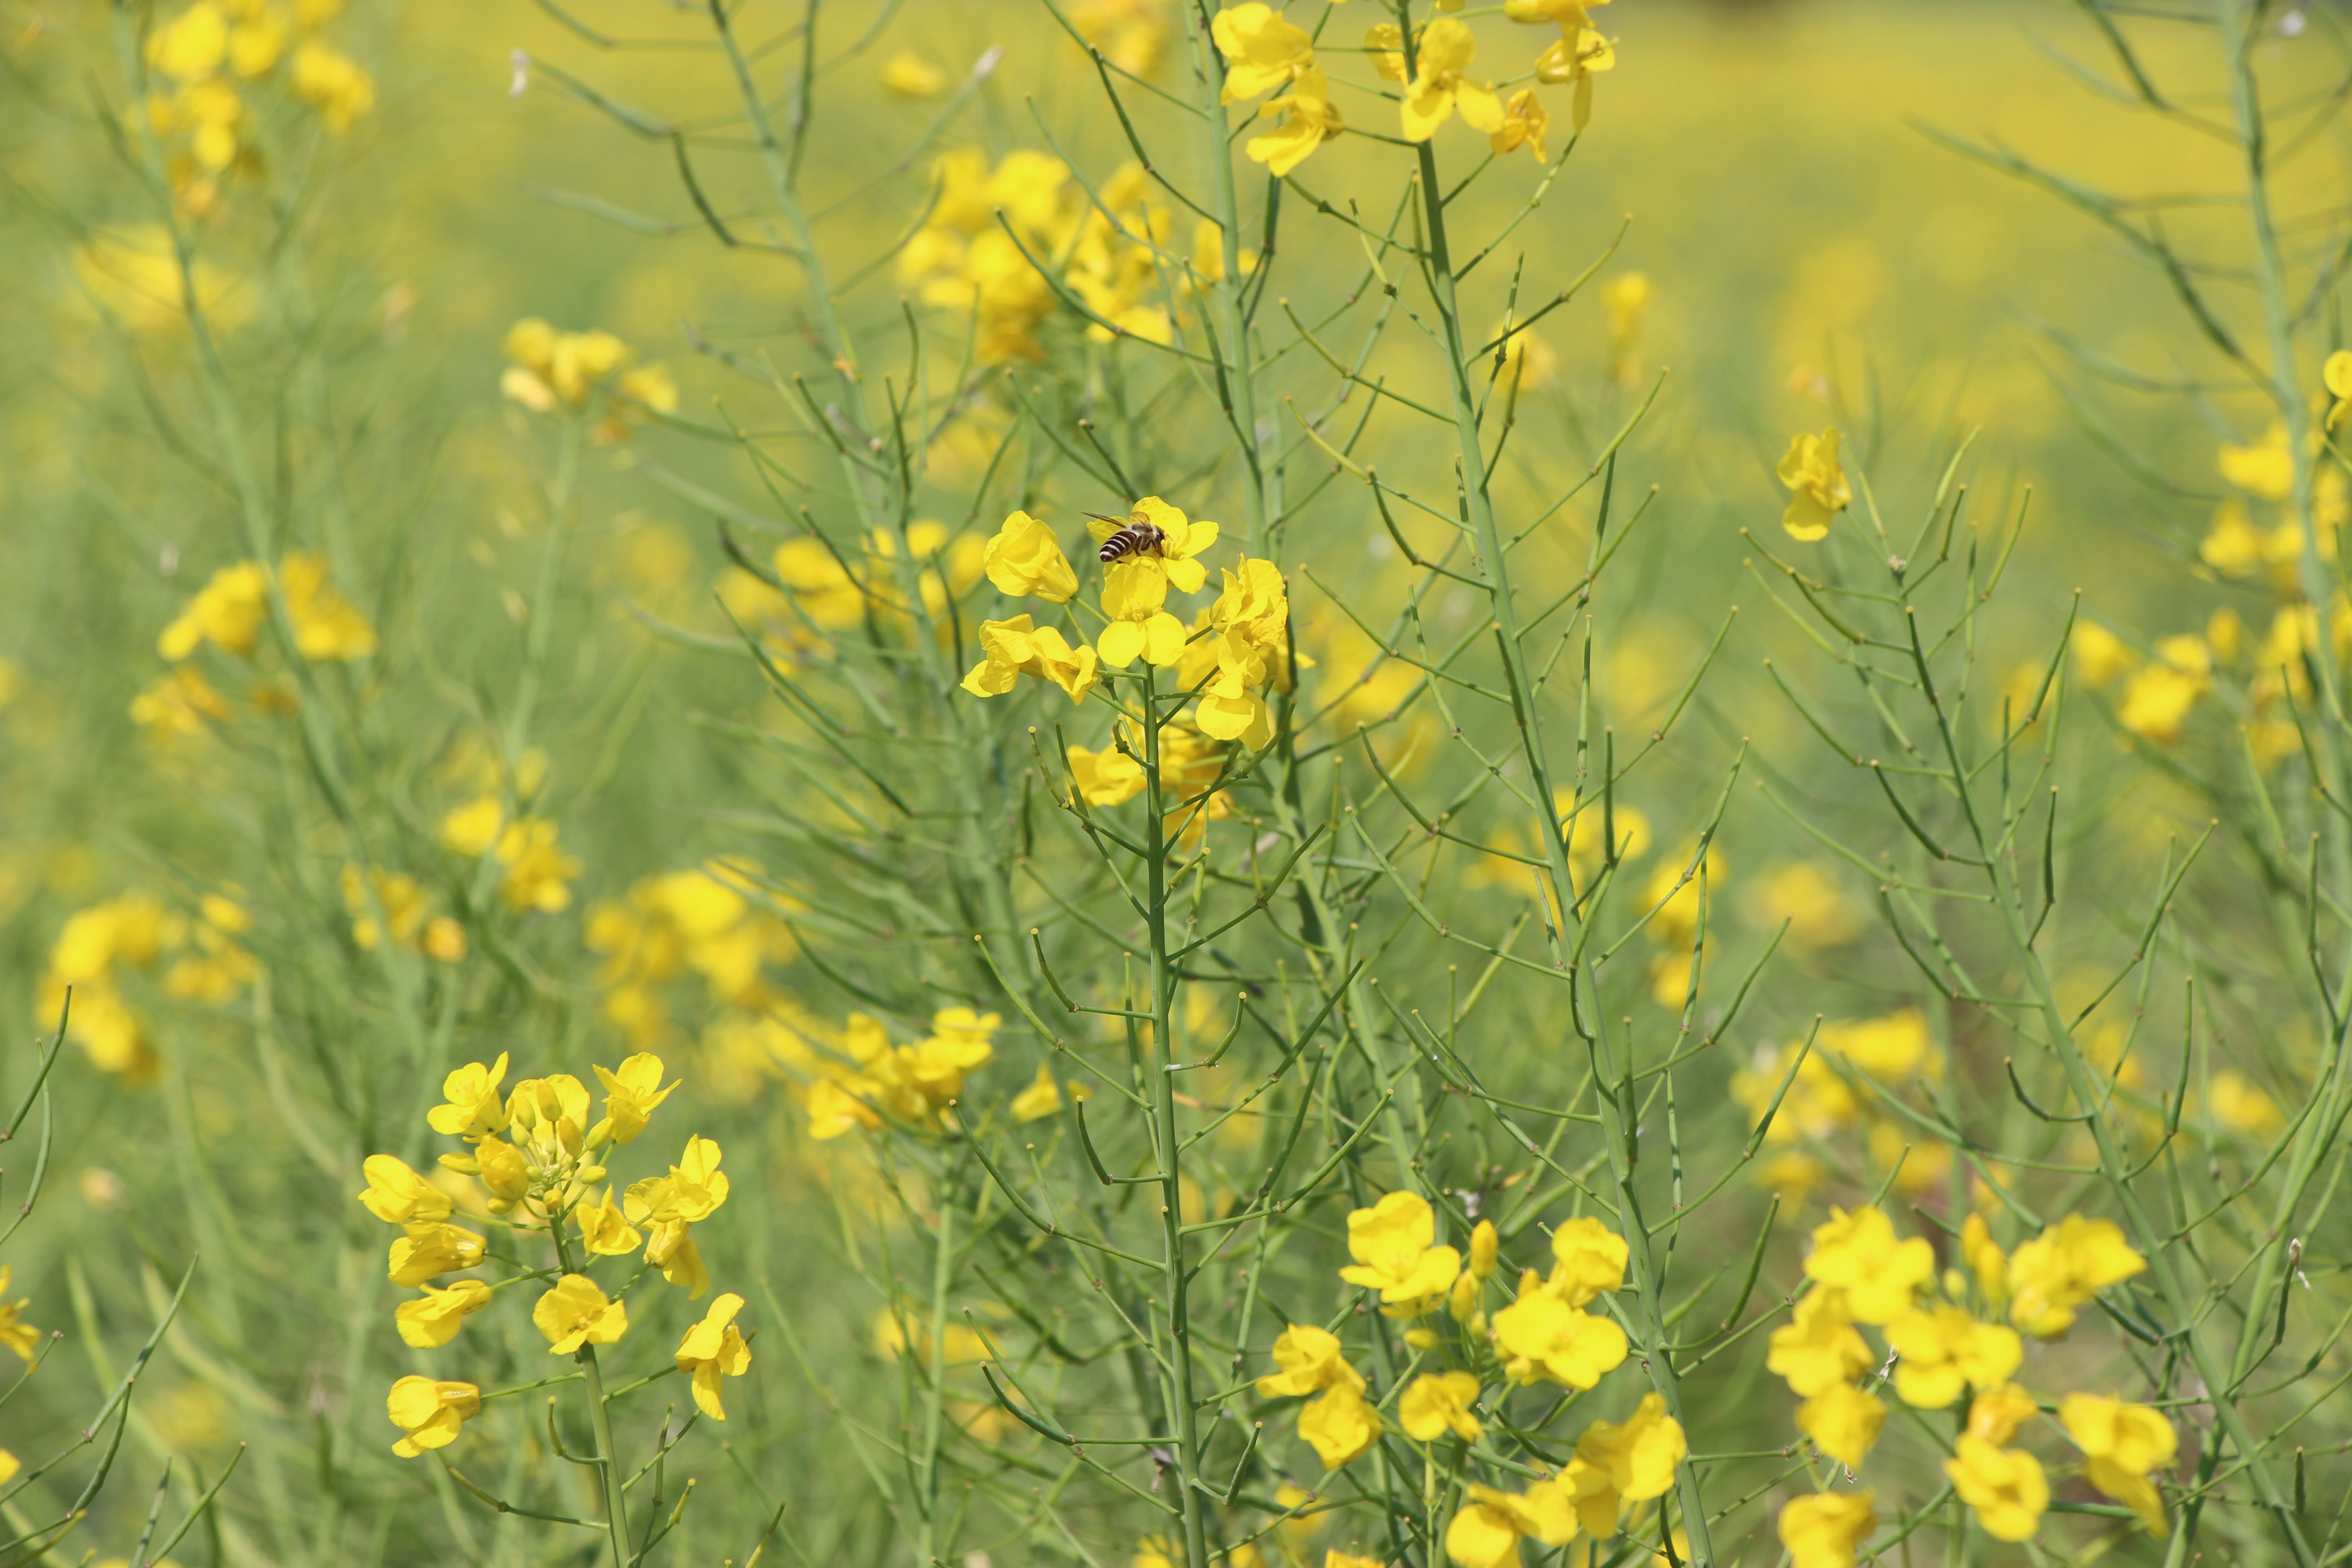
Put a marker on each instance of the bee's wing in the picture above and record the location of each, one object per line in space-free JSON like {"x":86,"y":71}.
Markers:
{"x":1103,"y":526}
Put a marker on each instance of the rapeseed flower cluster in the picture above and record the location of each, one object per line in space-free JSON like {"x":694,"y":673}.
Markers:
{"x":101,"y":945}
{"x":208,"y":57}
{"x":535,"y":1160}
{"x":228,"y":615}
{"x":1944,"y":1347}
{"x":535,"y":875}
{"x":699,"y":922}
{"x":1842,"y":1085}
{"x":816,"y":589}
{"x":549,"y":370}
{"x":867,"y":1078}
{"x":1546,"y":1334}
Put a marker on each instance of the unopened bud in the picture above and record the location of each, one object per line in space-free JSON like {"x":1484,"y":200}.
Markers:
{"x":1464,"y":1302}
{"x":1484,"y":1246}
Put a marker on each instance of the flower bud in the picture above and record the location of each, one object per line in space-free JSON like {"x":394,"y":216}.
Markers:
{"x":1484,"y":1246}
{"x":503,"y":1171}
{"x":592,"y":1174}
{"x":1422,"y":1339}
{"x":1464,"y":1300}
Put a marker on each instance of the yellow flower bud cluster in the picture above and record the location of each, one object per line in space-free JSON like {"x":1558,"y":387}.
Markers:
{"x":204,"y":61}
{"x":100,"y":946}
{"x":228,"y":615}
{"x":701,"y":924}
{"x":1841,"y":1086}
{"x":538,"y":1159}
{"x":1862,"y":1274}
{"x":548,"y":369}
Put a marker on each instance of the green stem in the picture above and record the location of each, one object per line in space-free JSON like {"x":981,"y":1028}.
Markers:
{"x":1493,"y":563}
{"x":1163,"y":1112}
{"x":1235,"y":380}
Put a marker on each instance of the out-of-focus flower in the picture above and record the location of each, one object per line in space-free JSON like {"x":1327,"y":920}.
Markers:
{"x":1942,"y":1350}
{"x":16,"y":1334}
{"x":908,"y":74}
{"x":1487,"y":1529}
{"x":2063,"y":1267}
{"x":1308,"y":119}
{"x":1627,"y":299}
{"x":1844,"y":1421}
{"x":1818,"y":1347}
{"x":1809,"y":896}
{"x":2242,"y":1108}
{"x":2263,"y":467}
{"x":1859,"y":1255}
{"x":1339,"y":1425}
{"x":176,"y":704}
{"x":2121,"y":1444}
{"x":1524,"y":124}
{"x":2004,"y":1487}
{"x":1043,"y":1098}
{"x":2159,"y":694}
{"x":133,"y":275}
{"x":1817,"y":485}
{"x":1995,"y":1414}
{"x":1823,"y":1530}
{"x":1131,"y":33}
{"x":1438,"y":1403}
{"x":333,"y":84}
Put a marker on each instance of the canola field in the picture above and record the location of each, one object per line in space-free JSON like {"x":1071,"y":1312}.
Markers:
{"x":1143,"y":783}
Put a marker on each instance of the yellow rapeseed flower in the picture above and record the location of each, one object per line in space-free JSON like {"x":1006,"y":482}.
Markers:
{"x":1392,"y":1243}
{"x":1262,"y":52}
{"x":632,"y":1092}
{"x":1995,"y":1414}
{"x":1844,"y":1421}
{"x":1817,"y":485}
{"x":1487,"y":1529}
{"x":1524,"y":124}
{"x":1438,"y":87}
{"x":1043,"y":1097}
{"x":576,"y":1313}
{"x":2004,"y":1487}
{"x":1621,"y":1462}
{"x":1016,"y":647}
{"x":1823,"y":1530}
{"x":714,"y":1349}
{"x":908,"y":74}
{"x":1943,"y":1349}
{"x":1437,"y":1403}
{"x":2121,"y":1444}
{"x":1339,"y":1425}
{"x":432,"y":1319}
{"x":429,"y":1251}
{"x":472,"y":1106}
{"x":429,"y":1412}
{"x":398,"y":1195}
{"x":1309,"y":119}
{"x":14,"y":1332}
{"x":1859,"y":1255}
{"x":1024,"y":558}
{"x":1544,"y":1337}
{"x":1311,"y":1360}
{"x":2063,"y":1267}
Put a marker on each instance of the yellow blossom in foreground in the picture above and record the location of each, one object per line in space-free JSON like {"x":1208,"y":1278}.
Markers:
{"x":1859,"y":1255}
{"x":14,"y":1332}
{"x":1024,"y":558}
{"x":1262,"y":52}
{"x":1996,"y":1413}
{"x":2121,"y":1444}
{"x":1633,"y":1461}
{"x":1134,"y":595}
{"x":604,"y":1229}
{"x":428,"y":1251}
{"x":1311,"y":1360}
{"x":1012,"y":648}
{"x":1439,"y":88}
{"x":1589,"y":1261}
{"x":429,"y":1412}
{"x":1844,"y":1421}
{"x":472,"y":1106}
{"x":1943,"y":1349}
{"x":1824,"y":1530}
{"x":1545,"y":1338}
{"x":1817,"y":485}
{"x":1487,"y":1527}
{"x":2063,"y":1267}
{"x":714,"y":1349}
{"x":432,"y":1319}
{"x":2004,"y":1487}
{"x":1392,"y":1243}
{"x":1308,"y":119}
{"x":1818,"y":1348}
{"x":1339,"y":1425}
{"x":1438,"y":1403}
{"x":1524,"y":124}
{"x":575,"y":1312}
{"x":632,"y":1092}
{"x":398,"y":1195}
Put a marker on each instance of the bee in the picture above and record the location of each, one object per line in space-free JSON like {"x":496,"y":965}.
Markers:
{"x":1135,"y":537}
